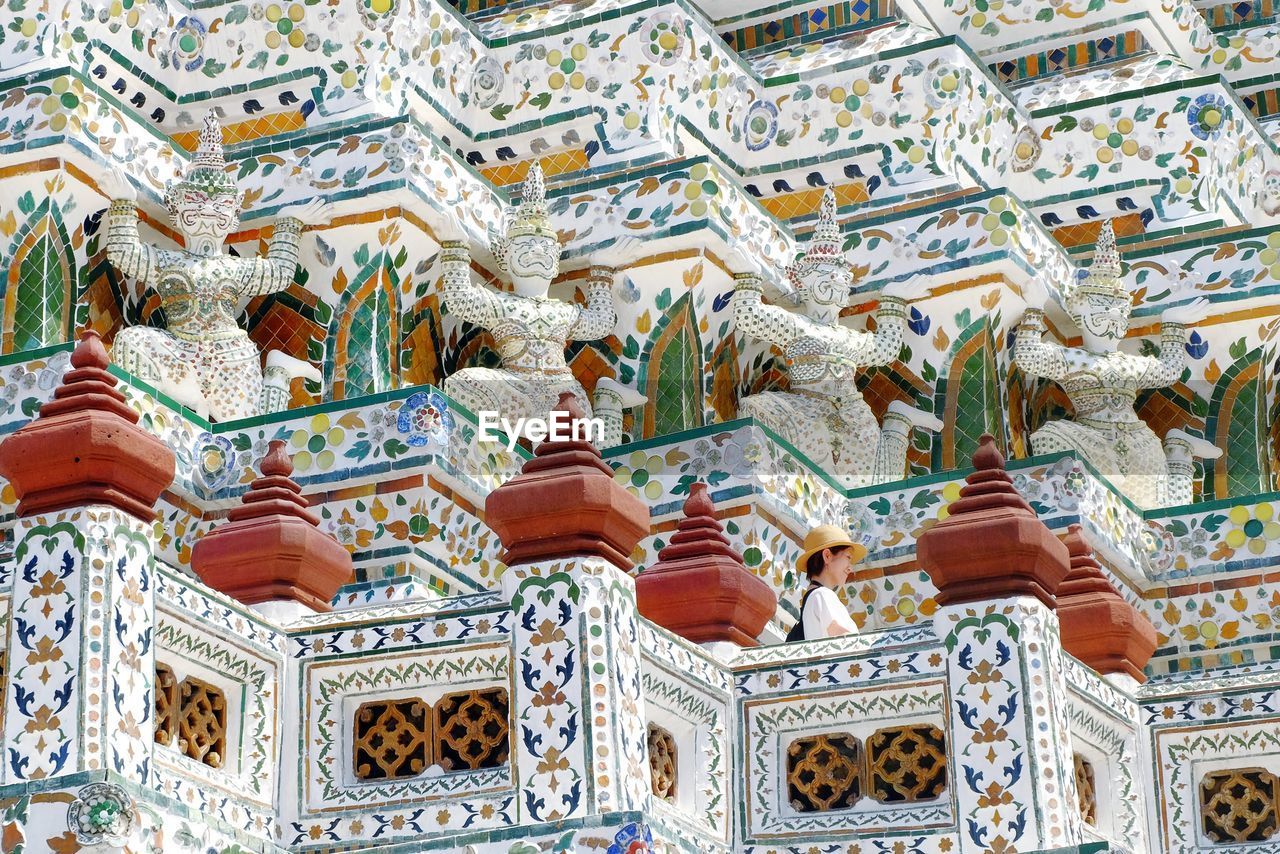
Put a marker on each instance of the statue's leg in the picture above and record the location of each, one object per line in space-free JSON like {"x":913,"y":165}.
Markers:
{"x":280,"y":371}
{"x":162,"y":361}
{"x":611,"y":398}
{"x":855,"y":437}
{"x":1141,"y":462}
{"x":139,"y":351}
{"x":808,"y":424}
{"x":502,"y":394}
{"x":1093,"y":445}
{"x":1180,"y":449}
{"x":473,"y":391}
{"x":231,"y":378}
{"x":895,"y":438}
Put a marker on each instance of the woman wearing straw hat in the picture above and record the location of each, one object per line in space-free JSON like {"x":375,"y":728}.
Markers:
{"x":828,"y":558}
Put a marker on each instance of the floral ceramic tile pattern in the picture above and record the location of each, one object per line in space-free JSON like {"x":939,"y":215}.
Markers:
{"x":807,"y":254}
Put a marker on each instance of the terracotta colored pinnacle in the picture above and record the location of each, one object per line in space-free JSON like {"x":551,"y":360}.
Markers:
{"x":991,"y":545}
{"x":1098,"y":625}
{"x":85,"y":447}
{"x":565,"y":503}
{"x":271,"y":547}
{"x":700,"y":588}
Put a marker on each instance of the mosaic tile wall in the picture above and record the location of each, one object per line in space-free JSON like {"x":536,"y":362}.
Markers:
{"x":979,"y":144}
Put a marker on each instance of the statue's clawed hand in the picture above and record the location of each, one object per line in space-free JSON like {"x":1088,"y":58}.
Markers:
{"x":1035,"y":293}
{"x":115,"y":185}
{"x":1187,"y":314}
{"x":314,"y":212}
{"x":622,"y":252}
{"x":740,"y":263}
{"x":450,"y":228}
{"x":911,"y":286}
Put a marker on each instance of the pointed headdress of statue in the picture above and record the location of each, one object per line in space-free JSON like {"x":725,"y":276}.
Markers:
{"x":1103,"y":280}
{"x":824,"y":245}
{"x":529,"y":217}
{"x":531,"y":214}
{"x":208,"y":170}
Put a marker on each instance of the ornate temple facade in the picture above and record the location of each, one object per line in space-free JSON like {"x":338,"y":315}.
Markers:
{"x":989,"y":284}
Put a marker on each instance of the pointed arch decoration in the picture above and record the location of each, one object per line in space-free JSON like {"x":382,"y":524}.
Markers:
{"x":366,"y":334}
{"x":422,"y":354}
{"x":1237,"y":424}
{"x":972,"y":402}
{"x":588,"y":365}
{"x":724,"y":385}
{"x":671,"y":373}
{"x":40,"y":288}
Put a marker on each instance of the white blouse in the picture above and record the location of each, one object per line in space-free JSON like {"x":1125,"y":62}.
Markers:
{"x":821,"y":610}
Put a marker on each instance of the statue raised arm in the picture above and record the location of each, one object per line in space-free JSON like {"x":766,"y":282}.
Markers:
{"x":203,"y":359}
{"x":530,"y":329}
{"x":1102,"y":383}
{"x":824,"y":415}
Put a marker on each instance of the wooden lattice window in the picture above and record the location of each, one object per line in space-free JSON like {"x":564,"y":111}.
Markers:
{"x":392,"y":739}
{"x":202,"y":722}
{"x":1239,"y":805}
{"x":824,"y":772}
{"x":907,"y":763}
{"x":472,"y":729}
{"x":662,"y":763}
{"x":1086,"y":790}
{"x":166,"y":705}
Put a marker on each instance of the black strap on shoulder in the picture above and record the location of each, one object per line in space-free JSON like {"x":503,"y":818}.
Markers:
{"x":797,"y":631}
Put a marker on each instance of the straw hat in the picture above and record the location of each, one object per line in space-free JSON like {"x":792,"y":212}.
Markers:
{"x":828,"y":537}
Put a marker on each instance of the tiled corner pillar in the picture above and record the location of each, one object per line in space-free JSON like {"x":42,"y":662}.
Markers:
{"x":579,"y":738}
{"x":80,"y":641}
{"x":1009,"y":744}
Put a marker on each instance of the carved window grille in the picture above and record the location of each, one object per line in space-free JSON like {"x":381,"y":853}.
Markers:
{"x":1239,"y":805}
{"x":824,"y":772}
{"x":907,"y":763}
{"x":392,"y":739}
{"x":166,"y":703}
{"x":202,"y":722}
{"x":1086,"y":790}
{"x":662,"y":763}
{"x":472,"y":729}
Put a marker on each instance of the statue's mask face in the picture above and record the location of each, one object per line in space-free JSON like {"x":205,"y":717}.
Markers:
{"x":1103,"y":321}
{"x":533,"y":260}
{"x":824,"y":290}
{"x":201,"y":213}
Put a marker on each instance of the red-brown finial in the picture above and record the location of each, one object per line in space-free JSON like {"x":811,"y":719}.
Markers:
{"x":568,"y":403}
{"x":1086,"y":569}
{"x":277,"y":461}
{"x":275,"y":492}
{"x":565,"y":503}
{"x":699,"y":502}
{"x":988,"y":456}
{"x":271,"y":547}
{"x":85,"y":447}
{"x":700,"y":588}
{"x":90,"y":353}
{"x":991,"y":545}
{"x":1097,"y":625}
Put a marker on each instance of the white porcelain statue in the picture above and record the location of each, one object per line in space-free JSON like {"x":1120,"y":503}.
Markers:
{"x":1102,"y":383}
{"x":530,"y":329}
{"x":824,"y":415}
{"x":204,"y":360}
